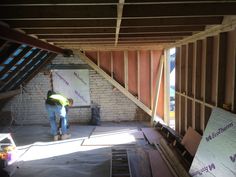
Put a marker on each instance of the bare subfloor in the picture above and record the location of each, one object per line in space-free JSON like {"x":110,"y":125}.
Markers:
{"x":86,"y":154}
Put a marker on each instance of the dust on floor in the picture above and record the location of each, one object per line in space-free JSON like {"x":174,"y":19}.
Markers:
{"x":86,"y":154}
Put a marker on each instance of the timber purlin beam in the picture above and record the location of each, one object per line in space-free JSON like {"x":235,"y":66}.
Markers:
{"x":17,"y":37}
{"x":15,"y":60}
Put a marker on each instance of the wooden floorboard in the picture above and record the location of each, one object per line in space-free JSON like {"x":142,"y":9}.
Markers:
{"x":158,"y":165}
{"x":152,"y":135}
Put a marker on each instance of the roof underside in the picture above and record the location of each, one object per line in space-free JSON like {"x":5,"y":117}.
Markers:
{"x":93,"y":25}
{"x":100,"y":24}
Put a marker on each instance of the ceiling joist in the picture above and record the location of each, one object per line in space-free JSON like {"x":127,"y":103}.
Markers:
{"x":115,"y":21}
{"x":126,"y":23}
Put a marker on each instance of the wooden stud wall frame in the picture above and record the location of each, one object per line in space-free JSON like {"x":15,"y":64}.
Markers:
{"x":205,"y":78}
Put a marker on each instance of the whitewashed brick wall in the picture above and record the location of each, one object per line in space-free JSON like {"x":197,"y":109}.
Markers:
{"x":29,"y":107}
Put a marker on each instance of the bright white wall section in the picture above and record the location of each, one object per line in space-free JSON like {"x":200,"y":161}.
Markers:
{"x":29,"y":107}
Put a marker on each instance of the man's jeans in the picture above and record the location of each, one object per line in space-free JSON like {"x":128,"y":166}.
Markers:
{"x":53,"y":111}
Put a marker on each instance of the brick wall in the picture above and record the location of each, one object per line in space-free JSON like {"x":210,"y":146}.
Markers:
{"x":29,"y":108}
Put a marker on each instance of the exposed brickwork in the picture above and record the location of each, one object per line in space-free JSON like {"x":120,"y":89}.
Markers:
{"x":30,"y":109}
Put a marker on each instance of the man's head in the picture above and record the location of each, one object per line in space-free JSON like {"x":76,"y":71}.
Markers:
{"x":70,"y":101}
{"x":50,"y":92}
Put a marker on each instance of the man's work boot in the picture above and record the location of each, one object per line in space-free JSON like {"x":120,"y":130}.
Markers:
{"x":56,"y":138}
{"x":65,"y":136}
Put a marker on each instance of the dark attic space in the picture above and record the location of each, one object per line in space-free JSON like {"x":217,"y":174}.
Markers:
{"x":118,"y":88}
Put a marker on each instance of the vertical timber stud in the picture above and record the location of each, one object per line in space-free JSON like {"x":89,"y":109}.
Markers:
{"x":222,"y":69}
{"x":158,"y":84}
{"x":194,"y":84}
{"x":167,"y":86}
{"x":203,"y":86}
{"x":208,"y":69}
{"x":112,"y":69}
{"x":177,"y":88}
{"x":208,"y":77}
{"x":126,"y":69}
{"x":151,"y":76}
{"x":138,"y":73}
{"x":234,"y":83}
{"x":198,"y":86}
{"x":183,"y":89}
{"x":186,"y":88}
{"x":189,"y":85}
{"x":98,"y":59}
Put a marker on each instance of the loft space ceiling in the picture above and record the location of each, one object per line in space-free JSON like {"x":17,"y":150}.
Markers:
{"x":94,"y":24}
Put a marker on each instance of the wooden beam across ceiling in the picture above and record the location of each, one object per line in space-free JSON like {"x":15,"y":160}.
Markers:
{"x":119,"y":47}
{"x":130,"y":11}
{"x":111,"y":23}
{"x":113,"y":30}
{"x":101,"y":2}
{"x":113,"y":39}
{"x":112,"y":35}
{"x":61,"y":24}
{"x":78,"y":22}
{"x":112,"y":42}
{"x":178,"y":10}
{"x":57,"y":12}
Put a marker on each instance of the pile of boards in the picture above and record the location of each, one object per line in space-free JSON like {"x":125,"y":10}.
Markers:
{"x":174,"y":154}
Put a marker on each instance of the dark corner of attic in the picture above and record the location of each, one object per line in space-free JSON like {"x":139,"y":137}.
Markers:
{"x":117,"y":89}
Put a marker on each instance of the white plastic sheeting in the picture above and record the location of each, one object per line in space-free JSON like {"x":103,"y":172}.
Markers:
{"x":216,"y":154}
{"x":73,"y":84}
